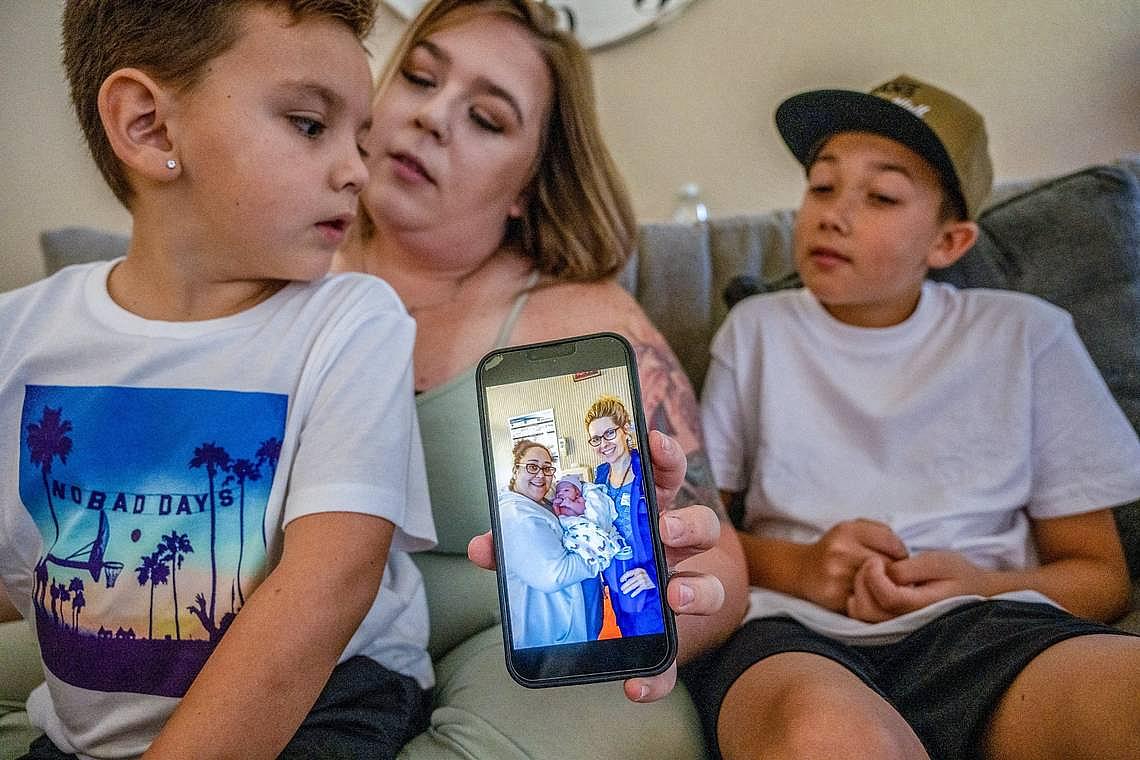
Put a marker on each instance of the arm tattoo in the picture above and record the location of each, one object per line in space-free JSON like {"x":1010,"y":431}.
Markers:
{"x":671,"y":407}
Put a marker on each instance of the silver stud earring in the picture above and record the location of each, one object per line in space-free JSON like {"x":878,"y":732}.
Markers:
{"x":171,"y":163}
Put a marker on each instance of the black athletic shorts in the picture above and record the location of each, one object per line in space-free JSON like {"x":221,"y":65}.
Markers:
{"x":364,"y":711}
{"x":945,"y":679}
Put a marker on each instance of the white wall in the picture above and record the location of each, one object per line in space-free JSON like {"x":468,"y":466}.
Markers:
{"x":1058,"y":81}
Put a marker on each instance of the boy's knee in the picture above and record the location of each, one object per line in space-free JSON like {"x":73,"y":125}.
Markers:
{"x":816,"y":720}
{"x":814,"y":725}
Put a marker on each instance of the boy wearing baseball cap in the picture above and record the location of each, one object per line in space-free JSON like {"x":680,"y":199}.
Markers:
{"x":927,"y":474}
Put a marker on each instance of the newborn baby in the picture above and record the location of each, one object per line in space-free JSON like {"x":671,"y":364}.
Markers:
{"x":587,"y":515}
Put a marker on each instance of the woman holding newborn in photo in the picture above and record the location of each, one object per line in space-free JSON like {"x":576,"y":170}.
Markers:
{"x":543,"y":577}
{"x":559,"y":550}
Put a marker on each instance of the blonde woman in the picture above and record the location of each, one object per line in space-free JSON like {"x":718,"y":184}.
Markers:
{"x":492,"y":202}
{"x":632,"y":581}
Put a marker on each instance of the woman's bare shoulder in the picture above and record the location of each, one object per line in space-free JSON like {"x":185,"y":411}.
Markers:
{"x":574,"y":308}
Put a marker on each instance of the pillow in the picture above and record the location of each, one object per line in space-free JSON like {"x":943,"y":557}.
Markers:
{"x":78,"y":245}
{"x":1075,"y":241}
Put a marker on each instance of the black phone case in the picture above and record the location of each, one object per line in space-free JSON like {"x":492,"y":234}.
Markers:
{"x":562,"y":352}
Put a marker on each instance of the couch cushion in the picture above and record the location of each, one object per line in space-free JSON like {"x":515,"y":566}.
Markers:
{"x":78,"y":245}
{"x":480,"y":712}
{"x":680,"y":270}
{"x":1075,"y":241}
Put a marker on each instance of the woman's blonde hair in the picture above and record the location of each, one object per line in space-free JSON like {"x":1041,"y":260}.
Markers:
{"x":517,"y":452}
{"x":612,"y":407}
{"x":578,"y":222}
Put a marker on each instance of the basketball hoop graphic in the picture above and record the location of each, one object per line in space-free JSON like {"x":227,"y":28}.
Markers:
{"x":89,"y":557}
{"x":111,"y":572}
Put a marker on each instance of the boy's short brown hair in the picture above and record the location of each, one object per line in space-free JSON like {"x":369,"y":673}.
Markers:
{"x":172,"y":41}
{"x":937,"y":125}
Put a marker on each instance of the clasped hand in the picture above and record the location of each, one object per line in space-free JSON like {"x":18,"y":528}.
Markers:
{"x":862,"y":568}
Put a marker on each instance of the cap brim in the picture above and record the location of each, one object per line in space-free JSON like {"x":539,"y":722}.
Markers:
{"x":805,"y":120}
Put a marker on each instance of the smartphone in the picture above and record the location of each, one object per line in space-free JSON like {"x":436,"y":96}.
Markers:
{"x":581,"y":569}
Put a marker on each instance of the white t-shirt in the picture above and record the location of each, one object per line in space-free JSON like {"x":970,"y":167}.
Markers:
{"x":981,"y":410}
{"x":148,"y":461}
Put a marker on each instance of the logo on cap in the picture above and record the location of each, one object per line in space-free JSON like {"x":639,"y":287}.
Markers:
{"x":901,"y":93}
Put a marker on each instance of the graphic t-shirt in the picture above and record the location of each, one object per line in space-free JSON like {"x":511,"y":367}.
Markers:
{"x":153,"y":466}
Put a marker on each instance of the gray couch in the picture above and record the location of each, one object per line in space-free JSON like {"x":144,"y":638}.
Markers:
{"x":1074,"y":240}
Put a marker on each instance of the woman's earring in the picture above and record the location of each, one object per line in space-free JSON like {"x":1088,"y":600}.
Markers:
{"x":171,"y":164}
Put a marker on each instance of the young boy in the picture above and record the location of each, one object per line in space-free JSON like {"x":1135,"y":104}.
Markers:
{"x":211,"y":453}
{"x":926,"y":472}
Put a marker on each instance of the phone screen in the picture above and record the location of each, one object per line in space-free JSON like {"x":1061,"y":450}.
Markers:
{"x":581,"y":570}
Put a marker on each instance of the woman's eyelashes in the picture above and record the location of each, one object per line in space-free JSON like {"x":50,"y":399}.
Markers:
{"x":480,"y":116}
{"x":485,"y":121}
{"x":307,"y":125}
{"x":417,"y":79}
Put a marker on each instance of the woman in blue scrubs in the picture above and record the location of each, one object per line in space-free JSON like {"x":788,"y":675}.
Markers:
{"x":632,"y":582}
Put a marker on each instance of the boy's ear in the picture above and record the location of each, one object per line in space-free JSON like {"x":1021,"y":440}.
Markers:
{"x":953,"y":241}
{"x":134,"y":110}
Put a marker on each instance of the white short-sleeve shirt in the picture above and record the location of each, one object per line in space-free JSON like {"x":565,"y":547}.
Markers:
{"x":978,"y":412}
{"x":151,"y":468}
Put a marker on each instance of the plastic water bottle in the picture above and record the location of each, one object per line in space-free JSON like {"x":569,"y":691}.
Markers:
{"x":690,"y":209}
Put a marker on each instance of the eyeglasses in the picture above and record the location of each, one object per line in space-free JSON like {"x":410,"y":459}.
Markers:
{"x":547,"y":470}
{"x":596,"y":440}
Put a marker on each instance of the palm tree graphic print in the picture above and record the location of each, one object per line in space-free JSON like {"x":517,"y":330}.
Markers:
{"x":167,"y":482}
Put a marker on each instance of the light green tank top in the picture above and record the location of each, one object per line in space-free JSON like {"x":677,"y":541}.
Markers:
{"x":453,"y":450}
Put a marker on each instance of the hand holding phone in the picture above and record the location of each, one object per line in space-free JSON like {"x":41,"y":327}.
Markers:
{"x":582,"y":594}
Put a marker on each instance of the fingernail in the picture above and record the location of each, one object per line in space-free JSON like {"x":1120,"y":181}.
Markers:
{"x":673,"y":527}
{"x":642,"y":693}
{"x":686,"y":593}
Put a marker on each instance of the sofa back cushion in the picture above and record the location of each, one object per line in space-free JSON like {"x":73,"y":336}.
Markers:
{"x":681,"y":270}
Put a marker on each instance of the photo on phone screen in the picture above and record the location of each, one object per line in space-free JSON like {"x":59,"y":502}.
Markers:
{"x":581,"y":570}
